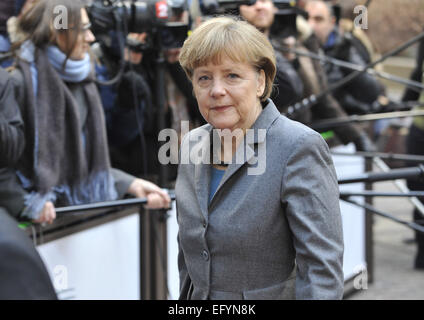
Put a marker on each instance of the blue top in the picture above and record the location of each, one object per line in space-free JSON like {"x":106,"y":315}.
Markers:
{"x":216,"y":177}
{"x":331,"y":41}
{"x":4,"y":43}
{"x":5,"y":47}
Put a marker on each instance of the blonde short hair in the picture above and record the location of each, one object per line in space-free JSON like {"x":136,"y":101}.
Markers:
{"x":231,"y":37}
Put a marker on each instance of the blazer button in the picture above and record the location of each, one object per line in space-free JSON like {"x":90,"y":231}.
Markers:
{"x":204,"y":224}
{"x":205,"y":255}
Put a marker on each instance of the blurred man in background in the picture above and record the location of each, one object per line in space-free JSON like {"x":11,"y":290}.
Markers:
{"x":362,"y":95}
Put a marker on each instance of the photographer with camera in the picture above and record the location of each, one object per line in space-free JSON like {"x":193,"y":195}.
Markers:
{"x":65,"y":161}
{"x":280,"y":26}
{"x":124,"y":102}
{"x":362,"y":95}
{"x":132,"y":102}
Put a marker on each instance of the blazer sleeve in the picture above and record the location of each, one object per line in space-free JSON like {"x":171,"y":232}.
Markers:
{"x":184,"y":277}
{"x":185,"y":281}
{"x":310,"y":196}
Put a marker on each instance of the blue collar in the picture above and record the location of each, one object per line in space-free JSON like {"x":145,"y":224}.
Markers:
{"x":331,"y":40}
{"x":74,"y":71}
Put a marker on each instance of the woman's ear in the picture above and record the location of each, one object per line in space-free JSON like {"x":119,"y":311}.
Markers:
{"x":261,"y":83}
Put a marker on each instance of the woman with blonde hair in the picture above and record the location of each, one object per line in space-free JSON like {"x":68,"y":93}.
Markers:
{"x":262,"y":220}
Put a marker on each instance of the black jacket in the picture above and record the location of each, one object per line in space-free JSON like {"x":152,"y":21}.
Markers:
{"x":12,"y":143}
{"x":358,"y":96}
{"x":7,"y":9}
{"x":288,"y":87}
{"x":416,"y":75}
{"x":23,"y":275}
{"x":11,"y":126}
{"x":314,"y":81}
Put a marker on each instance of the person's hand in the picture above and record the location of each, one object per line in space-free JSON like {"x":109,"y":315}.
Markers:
{"x":156,"y":197}
{"x":48,"y":213}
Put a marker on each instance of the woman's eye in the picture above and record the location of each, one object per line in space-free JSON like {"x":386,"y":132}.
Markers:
{"x":203,"y":78}
{"x":233,"y":75}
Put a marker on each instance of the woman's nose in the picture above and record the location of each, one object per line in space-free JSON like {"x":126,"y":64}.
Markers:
{"x":89,"y":36}
{"x":218,"y":88}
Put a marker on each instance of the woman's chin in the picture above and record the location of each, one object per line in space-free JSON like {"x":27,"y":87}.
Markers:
{"x":224,"y":122}
{"x":223,"y":126}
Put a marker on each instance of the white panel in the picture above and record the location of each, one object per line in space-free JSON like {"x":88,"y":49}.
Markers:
{"x":99,"y":263}
{"x":353,"y":217}
{"x":172,"y":231}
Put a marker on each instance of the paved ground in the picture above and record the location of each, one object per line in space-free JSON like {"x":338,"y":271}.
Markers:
{"x":394,"y":276}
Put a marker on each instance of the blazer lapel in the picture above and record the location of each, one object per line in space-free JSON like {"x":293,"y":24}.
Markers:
{"x":246,"y":150}
{"x":202,"y":173}
{"x":244,"y":153}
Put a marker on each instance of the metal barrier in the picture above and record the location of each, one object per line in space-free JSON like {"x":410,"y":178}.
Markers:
{"x":152,"y":236}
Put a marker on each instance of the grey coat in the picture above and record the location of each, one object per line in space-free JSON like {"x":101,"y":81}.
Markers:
{"x":276,"y":235}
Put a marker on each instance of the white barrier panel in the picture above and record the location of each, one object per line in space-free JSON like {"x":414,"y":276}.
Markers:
{"x":353,"y":217}
{"x":172,"y":232}
{"x":100,"y":263}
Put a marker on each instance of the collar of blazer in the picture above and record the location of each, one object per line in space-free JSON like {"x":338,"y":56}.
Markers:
{"x":243,"y":154}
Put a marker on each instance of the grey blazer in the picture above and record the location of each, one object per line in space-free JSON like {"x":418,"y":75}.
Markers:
{"x":275,"y":235}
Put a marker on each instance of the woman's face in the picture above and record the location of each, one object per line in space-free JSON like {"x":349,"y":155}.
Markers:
{"x":228,"y":93}
{"x":84,"y":39}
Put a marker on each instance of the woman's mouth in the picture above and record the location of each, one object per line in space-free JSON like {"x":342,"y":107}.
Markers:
{"x":221,"y":108}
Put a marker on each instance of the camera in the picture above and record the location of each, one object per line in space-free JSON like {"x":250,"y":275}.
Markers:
{"x":212,"y":7}
{"x":285,"y":18}
{"x":284,"y":21}
{"x":140,"y":16}
{"x":159,"y":18}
